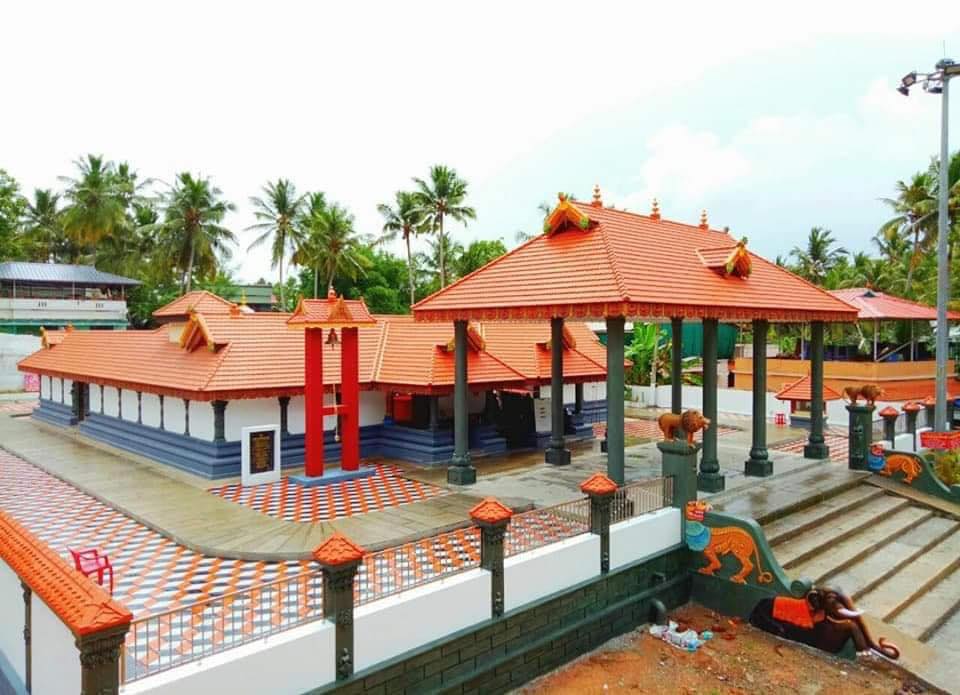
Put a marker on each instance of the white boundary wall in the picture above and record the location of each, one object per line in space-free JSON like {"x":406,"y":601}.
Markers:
{"x":552,"y":568}
{"x":386,"y":628}
{"x":643,"y":536}
{"x":592,"y":391}
{"x":12,"y":649}
{"x":14,"y":348}
{"x":293,"y":661}
{"x":54,"y":654}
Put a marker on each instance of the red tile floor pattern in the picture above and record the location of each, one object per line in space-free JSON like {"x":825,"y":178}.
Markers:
{"x":291,"y":502}
{"x":175,"y":593}
{"x":837,"y":440}
{"x":18,"y":407}
{"x":648,"y":429}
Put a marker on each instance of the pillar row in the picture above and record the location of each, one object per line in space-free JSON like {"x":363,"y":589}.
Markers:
{"x":710,"y":479}
{"x":759,"y":463}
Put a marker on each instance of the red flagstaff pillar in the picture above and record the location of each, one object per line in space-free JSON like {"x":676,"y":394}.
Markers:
{"x":350,"y":389}
{"x":313,"y":397}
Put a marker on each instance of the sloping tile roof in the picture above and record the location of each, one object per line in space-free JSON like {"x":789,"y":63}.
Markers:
{"x":61,"y":273}
{"x":238,"y":355}
{"x":83,"y":606}
{"x":50,"y":337}
{"x":331,"y":312}
{"x":631,"y":265}
{"x":207,"y":303}
{"x":872,"y":304}
{"x":799,"y":390}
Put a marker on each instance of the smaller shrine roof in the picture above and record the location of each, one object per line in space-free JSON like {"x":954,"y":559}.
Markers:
{"x":872,"y":304}
{"x":338,"y":550}
{"x":490,"y":511}
{"x":799,"y":390}
{"x":332,"y":312}
{"x":200,"y":301}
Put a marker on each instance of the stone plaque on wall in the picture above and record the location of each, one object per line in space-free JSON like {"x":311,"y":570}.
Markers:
{"x":260,"y":455}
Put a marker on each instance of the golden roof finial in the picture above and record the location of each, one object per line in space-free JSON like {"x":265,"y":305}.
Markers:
{"x":703,"y":220}
{"x":597,"y":201}
{"x":243,"y":297}
{"x":655,"y":212}
{"x":331,"y":293}
{"x":561,"y":196}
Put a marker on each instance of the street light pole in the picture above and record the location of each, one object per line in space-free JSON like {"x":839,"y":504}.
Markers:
{"x":943,"y":271}
{"x":939,"y":83}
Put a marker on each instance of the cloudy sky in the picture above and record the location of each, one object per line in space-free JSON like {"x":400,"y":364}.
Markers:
{"x":773,"y":117}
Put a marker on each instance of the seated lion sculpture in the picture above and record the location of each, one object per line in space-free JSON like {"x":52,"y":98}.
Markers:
{"x":690,"y":422}
{"x":868,"y":392}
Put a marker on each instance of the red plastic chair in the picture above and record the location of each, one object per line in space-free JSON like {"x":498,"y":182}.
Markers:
{"x":90,"y":561}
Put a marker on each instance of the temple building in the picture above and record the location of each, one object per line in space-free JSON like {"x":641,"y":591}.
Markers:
{"x":182,"y":393}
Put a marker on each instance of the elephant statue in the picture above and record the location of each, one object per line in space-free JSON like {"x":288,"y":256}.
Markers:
{"x":824,"y":618}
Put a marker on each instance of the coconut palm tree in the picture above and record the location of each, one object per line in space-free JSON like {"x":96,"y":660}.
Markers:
{"x":43,"y":226}
{"x":819,"y":256}
{"x":915,"y":217}
{"x":309,"y":252}
{"x":406,"y":219}
{"x":441,"y":197}
{"x":96,"y":203}
{"x":191,"y":229}
{"x":336,"y":246}
{"x":278,"y":213}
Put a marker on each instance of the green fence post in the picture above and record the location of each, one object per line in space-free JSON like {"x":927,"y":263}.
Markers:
{"x":861,"y":435}
{"x":601,"y":491}
{"x":339,"y":558}
{"x":492,"y":517}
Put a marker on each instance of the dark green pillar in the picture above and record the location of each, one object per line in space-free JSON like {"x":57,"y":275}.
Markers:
{"x":119,"y":403}
{"x":186,"y":417}
{"x":710,"y":478}
{"x":861,"y":436}
{"x":615,"y":455}
{"x":601,"y":493}
{"x":578,"y":399}
{"x":816,"y":447}
{"x":139,"y":407}
{"x":161,"y":412}
{"x":284,"y":415}
{"x":493,"y":530}
{"x":912,"y":409}
{"x":679,"y":464}
{"x":889,"y":416}
{"x":338,"y":608}
{"x":759,"y":463}
{"x":556,"y":454}
{"x":100,"y":661}
{"x":219,"y":421}
{"x":676,"y":365}
{"x":27,"y":644}
{"x":460,"y":472}
{"x":76,"y":398}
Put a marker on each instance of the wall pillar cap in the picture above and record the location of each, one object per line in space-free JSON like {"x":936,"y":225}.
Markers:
{"x":912,"y":407}
{"x":598,"y":485}
{"x":491,"y":512}
{"x":338,"y":551}
{"x":889,"y":412}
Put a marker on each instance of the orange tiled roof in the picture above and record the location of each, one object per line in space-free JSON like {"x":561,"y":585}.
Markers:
{"x":872,"y":304}
{"x":50,"y":337}
{"x":799,"y":390}
{"x":238,"y":355}
{"x":201,"y":301}
{"x":83,"y":606}
{"x":332,"y":312}
{"x":622,"y":263}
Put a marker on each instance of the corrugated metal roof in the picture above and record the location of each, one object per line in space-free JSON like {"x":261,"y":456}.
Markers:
{"x":22,"y":271}
{"x":877,"y":305}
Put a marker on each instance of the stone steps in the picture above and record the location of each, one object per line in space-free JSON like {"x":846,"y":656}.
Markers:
{"x":871,"y":571}
{"x":929,"y":611}
{"x":912,"y":582}
{"x":947,"y":635}
{"x":819,"y":539}
{"x":868,"y":541}
{"x":793,"y":525}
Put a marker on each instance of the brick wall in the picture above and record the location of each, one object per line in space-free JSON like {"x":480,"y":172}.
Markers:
{"x":503,"y":653}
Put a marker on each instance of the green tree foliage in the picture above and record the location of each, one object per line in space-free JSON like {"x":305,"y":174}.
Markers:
{"x":819,"y":255}
{"x":477,"y":255}
{"x":279,"y":215}
{"x":405,"y":219}
{"x":12,"y":207}
{"x":443,"y":196}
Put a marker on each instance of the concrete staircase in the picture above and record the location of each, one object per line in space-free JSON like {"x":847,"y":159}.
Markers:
{"x":896,"y":558}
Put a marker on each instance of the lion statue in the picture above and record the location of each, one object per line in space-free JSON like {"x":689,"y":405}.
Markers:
{"x":868,"y":392}
{"x":690,"y":422}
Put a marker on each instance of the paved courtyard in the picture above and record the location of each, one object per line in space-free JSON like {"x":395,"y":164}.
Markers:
{"x":292,"y":502}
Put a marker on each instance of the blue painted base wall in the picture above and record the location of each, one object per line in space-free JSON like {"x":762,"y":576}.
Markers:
{"x":216,"y":460}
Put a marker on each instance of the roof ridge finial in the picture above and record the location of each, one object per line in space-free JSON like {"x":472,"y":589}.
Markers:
{"x":597,"y":200}
{"x":331,"y":293}
{"x":655,"y":212}
{"x":704,"y":225}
